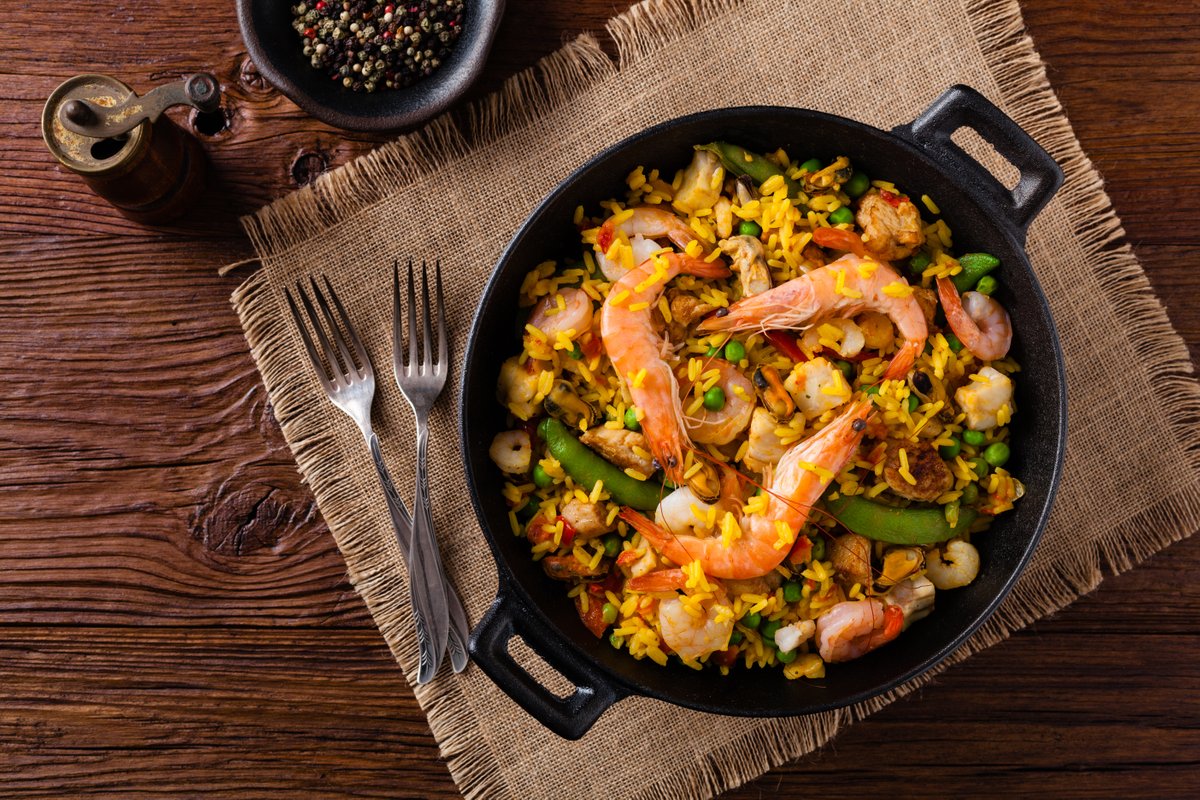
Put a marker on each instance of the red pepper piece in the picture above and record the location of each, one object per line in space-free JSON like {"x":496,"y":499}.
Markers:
{"x":593,"y":618}
{"x":801,"y":551}
{"x":727,"y":657}
{"x":891,"y":199}
{"x":568,"y":536}
{"x":786,"y":344}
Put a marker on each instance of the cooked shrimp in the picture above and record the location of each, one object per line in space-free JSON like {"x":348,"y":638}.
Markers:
{"x":642,"y":249}
{"x":854,"y":627}
{"x":650,"y":222}
{"x":695,"y":637}
{"x":627,"y":449}
{"x":848,"y":286}
{"x":983,"y":396}
{"x":794,"y":485}
{"x":566,"y":311}
{"x":723,"y":425}
{"x":682,"y":512}
{"x":636,"y":352}
{"x":518,"y":386}
{"x":766,"y":448}
{"x":980,"y":323}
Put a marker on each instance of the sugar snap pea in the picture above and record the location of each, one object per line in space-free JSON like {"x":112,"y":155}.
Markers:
{"x":974,"y":266}
{"x":897,"y":525}
{"x":741,"y":161}
{"x":586,"y":467}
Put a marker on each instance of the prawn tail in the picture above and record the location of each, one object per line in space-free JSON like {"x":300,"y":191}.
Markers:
{"x":701,"y":268}
{"x":649,"y":529}
{"x":904,"y":360}
{"x":838,"y":239}
{"x":663,"y":580}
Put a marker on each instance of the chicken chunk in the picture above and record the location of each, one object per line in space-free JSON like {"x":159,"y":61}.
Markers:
{"x":518,"y":386}
{"x":891,"y":225}
{"x":622,"y":447}
{"x":927,"y":468}
{"x":588,"y":519}
{"x":927,"y":300}
{"x":749,"y":262}
{"x":851,"y":558}
{"x":817,"y":386}
{"x":701,"y":184}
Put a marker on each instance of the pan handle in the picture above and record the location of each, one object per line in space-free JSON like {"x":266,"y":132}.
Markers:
{"x":961,"y":106}
{"x":570,"y":716}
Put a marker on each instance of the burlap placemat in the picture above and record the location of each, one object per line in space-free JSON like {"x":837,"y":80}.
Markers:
{"x":457,"y":191}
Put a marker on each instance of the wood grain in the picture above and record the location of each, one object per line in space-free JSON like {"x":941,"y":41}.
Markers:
{"x":174,"y":618}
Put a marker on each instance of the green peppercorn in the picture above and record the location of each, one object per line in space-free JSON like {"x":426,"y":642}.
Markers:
{"x":749,"y":228}
{"x":714,"y":399}
{"x":791,"y":592}
{"x":608,"y":613}
{"x":735,"y":351}
{"x":752,"y":620}
{"x":997,"y":454}
{"x":841,"y":216}
{"x":949,"y":451}
{"x":631,"y":420}
{"x":541,"y":478}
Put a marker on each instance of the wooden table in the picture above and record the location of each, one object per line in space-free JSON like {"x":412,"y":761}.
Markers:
{"x":174,"y":617}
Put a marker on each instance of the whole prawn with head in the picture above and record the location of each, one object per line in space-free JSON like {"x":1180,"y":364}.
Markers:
{"x":636,"y":352}
{"x":793,"y":486}
{"x":850,"y":285}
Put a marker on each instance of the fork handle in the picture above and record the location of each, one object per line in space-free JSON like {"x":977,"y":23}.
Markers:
{"x":456,"y":645}
{"x":425,"y":585}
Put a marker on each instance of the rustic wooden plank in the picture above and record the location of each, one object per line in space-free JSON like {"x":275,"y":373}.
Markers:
{"x":174,"y":618}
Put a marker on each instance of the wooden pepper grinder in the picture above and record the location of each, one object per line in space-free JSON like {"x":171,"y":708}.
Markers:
{"x":125,"y":148}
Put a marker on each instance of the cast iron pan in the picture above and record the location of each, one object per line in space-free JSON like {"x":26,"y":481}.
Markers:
{"x":983,"y":214}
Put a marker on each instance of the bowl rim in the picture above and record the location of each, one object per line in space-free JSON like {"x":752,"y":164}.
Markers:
{"x":511,"y":590}
{"x":456,"y":80}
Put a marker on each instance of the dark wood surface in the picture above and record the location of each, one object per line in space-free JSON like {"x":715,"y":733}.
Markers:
{"x":174,"y":617}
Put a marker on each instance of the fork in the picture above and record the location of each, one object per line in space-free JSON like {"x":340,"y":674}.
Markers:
{"x":352,"y":389}
{"x":421,"y":380}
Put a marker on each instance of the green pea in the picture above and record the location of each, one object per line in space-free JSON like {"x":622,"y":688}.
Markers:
{"x":951,"y":509}
{"x":997,"y":454}
{"x":919,"y":262}
{"x":812,"y":165}
{"x":970,"y":494}
{"x":841,"y":216}
{"x":749,"y":228}
{"x":954,"y":342}
{"x":987,"y":284}
{"x":752,"y":620}
{"x":912,"y":402}
{"x":616,"y":641}
{"x":577,"y":352}
{"x":980,"y":466}
{"x":974,"y":438}
{"x":714,"y":399}
{"x":541,"y":478}
{"x":612,"y":545}
{"x":735,"y":351}
{"x":791,"y":592}
{"x":608,"y":613}
{"x":788,"y":657}
{"x":872,"y":389}
{"x":737,"y":637}
{"x":818,"y":549}
{"x":847,"y":370}
{"x":949,"y":451}
{"x":631,"y":419}
{"x":769,"y":628}
{"x":857,"y":185}
{"x":710,"y":352}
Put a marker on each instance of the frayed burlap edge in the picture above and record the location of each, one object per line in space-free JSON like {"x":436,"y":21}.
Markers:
{"x":642,"y":30}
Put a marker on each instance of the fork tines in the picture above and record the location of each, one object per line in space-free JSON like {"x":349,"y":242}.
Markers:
{"x":422,"y":361}
{"x":337,"y":374}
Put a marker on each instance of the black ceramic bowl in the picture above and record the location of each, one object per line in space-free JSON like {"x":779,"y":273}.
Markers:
{"x":983,"y":216}
{"x":278,"y":53}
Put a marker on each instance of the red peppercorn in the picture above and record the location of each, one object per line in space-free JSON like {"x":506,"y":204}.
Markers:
{"x":320,"y":6}
{"x":387,"y":34}
{"x":389,"y":8}
{"x":310,"y":33}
